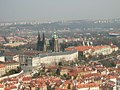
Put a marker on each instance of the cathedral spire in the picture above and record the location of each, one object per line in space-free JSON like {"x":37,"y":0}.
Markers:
{"x":38,"y":41}
{"x":44,"y":43}
{"x":39,"y":36}
{"x":43,"y":37}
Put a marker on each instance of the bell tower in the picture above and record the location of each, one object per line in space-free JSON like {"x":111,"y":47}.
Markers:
{"x":38,"y":42}
{"x":44,"y":43}
{"x":41,"y":44}
{"x":55,"y":43}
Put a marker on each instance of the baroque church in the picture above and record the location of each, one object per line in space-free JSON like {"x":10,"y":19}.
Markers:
{"x":53,"y":46}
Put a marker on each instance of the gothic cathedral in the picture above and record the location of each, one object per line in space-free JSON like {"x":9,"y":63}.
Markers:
{"x":54,"y":45}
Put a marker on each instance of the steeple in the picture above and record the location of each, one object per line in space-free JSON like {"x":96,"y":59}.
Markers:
{"x":43,"y":38}
{"x":54,"y":35}
{"x":55,"y":43}
{"x":39,"y":37}
{"x":43,"y":43}
{"x":39,"y":42}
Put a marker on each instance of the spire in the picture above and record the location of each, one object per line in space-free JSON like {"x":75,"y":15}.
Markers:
{"x":38,"y":42}
{"x":43,"y":37}
{"x":54,"y":35}
{"x":43,"y":43}
{"x":39,"y":37}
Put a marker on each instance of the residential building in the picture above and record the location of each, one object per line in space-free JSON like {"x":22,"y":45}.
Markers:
{"x":10,"y":65}
{"x":2,"y":69}
{"x":88,"y":86}
{"x":87,"y":51}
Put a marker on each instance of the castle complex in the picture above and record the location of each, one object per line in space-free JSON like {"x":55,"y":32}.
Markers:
{"x":53,"y":43}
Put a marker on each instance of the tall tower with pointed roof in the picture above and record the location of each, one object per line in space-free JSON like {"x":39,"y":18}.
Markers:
{"x":55,"y":44}
{"x":44,"y":43}
{"x":38,"y":42}
{"x":41,"y":44}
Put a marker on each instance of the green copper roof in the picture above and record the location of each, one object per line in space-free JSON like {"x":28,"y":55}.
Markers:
{"x":54,"y":35}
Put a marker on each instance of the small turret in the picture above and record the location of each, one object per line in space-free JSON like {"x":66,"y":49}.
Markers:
{"x":54,"y":35}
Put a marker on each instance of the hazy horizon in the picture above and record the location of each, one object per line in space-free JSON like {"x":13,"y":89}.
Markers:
{"x":58,"y":10}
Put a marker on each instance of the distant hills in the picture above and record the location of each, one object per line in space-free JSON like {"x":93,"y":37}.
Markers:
{"x":111,"y":24}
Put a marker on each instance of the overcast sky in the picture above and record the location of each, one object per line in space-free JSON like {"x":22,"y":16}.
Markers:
{"x":55,"y":10}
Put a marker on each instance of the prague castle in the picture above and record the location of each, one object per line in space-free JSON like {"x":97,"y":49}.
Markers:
{"x":54,"y":45}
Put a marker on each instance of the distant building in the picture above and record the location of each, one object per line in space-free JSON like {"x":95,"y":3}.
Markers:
{"x":54,"y":45}
{"x":2,"y":70}
{"x":41,"y":44}
{"x":15,"y":44}
{"x":2,"y":40}
{"x":14,"y":41}
{"x":25,"y":56}
{"x":55,"y":58}
{"x":89,"y":86}
{"x":87,"y":51}
{"x":114,"y":33}
{"x":47,"y":59}
{"x":10,"y":65}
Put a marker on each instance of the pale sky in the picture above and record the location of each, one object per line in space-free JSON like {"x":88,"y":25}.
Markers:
{"x":55,"y":10}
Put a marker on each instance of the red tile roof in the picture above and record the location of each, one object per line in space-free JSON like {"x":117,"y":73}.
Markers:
{"x":84,"y":48}
{"x":91,"y":75}
{"x":79,"y":48}
{"x":2,"y":65}
{"x":60,"y":89}
{"x":7,"y":88}
{"x":1,"y":86}
{"x":87,"y":85}
{"x":26,"y":79}
{"x":13,"y":87}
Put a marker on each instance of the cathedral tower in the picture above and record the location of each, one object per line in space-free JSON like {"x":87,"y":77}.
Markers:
{"x":55,"y":43}
{"x":44,"y":43}
{"x":41,"y":44}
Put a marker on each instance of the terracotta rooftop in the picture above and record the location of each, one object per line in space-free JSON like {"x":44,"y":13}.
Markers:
{"x":79,"y":48}
{"x":92,"y":75}
{"x":1,"y":86}
{"x":87,"y":85}
{"x":60,"y":89}
{"x":7,"y":88}
{"x":13,"y":87}
{"x":2,"y":65}
{"x":84,"y":48}
{"x":27,"y":78}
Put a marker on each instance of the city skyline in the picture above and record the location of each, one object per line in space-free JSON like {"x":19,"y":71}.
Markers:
{"x":57,"y":10}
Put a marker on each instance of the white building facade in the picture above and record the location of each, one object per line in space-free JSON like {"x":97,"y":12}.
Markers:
{"x":50,"y":58}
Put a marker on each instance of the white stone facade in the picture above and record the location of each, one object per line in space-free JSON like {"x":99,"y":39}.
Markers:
{"x":49,"y":59}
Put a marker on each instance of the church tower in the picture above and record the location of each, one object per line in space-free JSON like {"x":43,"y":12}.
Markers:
{"x":55,"y":43}
{"x":41,"y":44}
{"x":44,"y":43}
